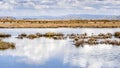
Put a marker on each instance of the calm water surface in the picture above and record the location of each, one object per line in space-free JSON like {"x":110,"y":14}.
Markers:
{"x":50,"y":53}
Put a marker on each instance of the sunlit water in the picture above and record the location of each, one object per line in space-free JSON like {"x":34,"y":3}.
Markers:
{"x":50,"y":53}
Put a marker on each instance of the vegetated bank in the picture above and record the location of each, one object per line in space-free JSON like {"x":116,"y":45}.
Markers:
{"x":13,"y":23}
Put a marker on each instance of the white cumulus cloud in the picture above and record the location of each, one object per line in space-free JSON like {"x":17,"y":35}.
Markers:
{"x":62,"y":6}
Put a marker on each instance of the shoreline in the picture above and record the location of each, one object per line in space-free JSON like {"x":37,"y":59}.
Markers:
{"x":55,"y":27}
{"x":59,"y":23}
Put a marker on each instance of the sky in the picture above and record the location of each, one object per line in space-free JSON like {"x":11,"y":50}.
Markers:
{"x":58,"y":7}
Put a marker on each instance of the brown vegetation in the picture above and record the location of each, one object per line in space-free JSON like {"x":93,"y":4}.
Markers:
{"x":52,"y":34}
{"x":78,"y":39}
{"x":6,"y":45}
{"x":38,"y":35}
{"x":59,"y":23}
{"x":81,"y":39}
{"x":2,"y":35}
{"x":117,"y":34}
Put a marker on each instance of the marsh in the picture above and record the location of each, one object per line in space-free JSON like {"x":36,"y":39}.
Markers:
{"x":50,"y":53}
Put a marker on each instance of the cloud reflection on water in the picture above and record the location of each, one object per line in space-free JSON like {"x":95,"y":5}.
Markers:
{"x":101,"y":56}
{"x":38,"y":50}
{"x":42,"y":50}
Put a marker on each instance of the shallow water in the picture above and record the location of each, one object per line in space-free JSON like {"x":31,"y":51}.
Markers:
{"x":50,"y":53}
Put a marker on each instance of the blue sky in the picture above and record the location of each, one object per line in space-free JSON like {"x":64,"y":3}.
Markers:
{"x":58,"y":7}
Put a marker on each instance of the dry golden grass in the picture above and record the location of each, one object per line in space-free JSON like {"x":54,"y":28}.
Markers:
{"x":6,"y":45}
{"x":59,"y":23}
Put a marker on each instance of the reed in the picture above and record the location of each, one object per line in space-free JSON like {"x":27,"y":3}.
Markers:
{"x":2,"y":35}
{"x":59,"y":23}
{"x":6,"y":45}
{"x":117,"y":34}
